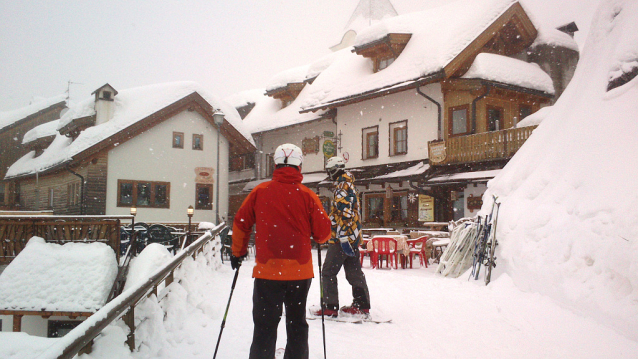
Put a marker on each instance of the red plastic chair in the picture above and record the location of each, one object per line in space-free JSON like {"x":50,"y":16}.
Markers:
{"x":384,"y":246}
{"x":417,"y":248}
{"x":363,"y":251}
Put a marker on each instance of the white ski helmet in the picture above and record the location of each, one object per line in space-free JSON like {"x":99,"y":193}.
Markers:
{"x":288,"y":154}
{"x":335,"y":166}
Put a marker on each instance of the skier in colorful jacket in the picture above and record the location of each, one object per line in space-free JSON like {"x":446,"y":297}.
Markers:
{"x":286,"y":215}
{"x":344,"y":245}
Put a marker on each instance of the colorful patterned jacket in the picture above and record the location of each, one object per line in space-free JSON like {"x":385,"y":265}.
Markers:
{"x":344,"y":211}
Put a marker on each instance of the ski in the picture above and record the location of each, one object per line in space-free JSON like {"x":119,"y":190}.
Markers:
{"x":491,"y":259}
{"x":352,"y":320}
{"x":347,"y":318}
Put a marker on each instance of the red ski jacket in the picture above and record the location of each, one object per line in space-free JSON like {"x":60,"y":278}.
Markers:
{"x":286,"y":214}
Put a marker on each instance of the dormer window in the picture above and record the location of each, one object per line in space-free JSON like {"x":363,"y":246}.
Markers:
{"x":383,"y":51}
{"x":286,"y":94}
{"x":383,"y":63}
{"x":106,"y":95}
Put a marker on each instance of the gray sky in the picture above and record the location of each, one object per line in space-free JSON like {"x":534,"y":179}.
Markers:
{"x":226,"y":46}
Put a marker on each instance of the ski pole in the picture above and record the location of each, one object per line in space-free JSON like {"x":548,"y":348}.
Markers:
{"x":323,"y":324}
{"x":232,"y":288}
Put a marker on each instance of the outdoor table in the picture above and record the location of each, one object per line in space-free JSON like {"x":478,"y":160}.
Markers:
{"x":438,"y":247}
{"x":403,"y":249}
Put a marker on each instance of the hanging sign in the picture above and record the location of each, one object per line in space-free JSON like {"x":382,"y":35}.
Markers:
{"x":328,"y":134}
{"x":437,"y":152}
{"x":329,"y":148}
{"x":426,"y":208}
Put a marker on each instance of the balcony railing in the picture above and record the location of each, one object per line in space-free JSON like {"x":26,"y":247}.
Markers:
{"x":485,"y":146}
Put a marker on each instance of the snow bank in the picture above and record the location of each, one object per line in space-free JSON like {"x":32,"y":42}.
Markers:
{"x":153,"y":257}
{"x":75,"y":277}
{"x":568,"y":226}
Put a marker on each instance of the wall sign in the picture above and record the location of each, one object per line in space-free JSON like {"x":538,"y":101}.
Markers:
{"x":474,"y":202}
{"x":437,"y":152}
{"x":426,"y":208}
{"x":329,"y":148}
{"x":310,"y":145}
{"x":204,"y":175}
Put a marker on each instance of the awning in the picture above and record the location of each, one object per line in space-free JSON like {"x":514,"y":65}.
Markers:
{"x":463,"y":177}
{"x":310,"y":178}
{"x":415,"y":170}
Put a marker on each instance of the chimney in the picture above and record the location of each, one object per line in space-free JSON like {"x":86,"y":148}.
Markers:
{"x":104,"y":103}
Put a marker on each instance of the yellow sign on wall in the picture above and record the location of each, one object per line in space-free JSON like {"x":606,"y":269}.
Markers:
{"x":426,"y":208}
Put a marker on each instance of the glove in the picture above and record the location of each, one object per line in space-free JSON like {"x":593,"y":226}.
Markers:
{"x":346,"y":247}
{"x":235,"y":262}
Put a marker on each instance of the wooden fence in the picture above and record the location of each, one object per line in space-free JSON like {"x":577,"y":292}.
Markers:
{"x":479,"y":147}
{"x":16,"y":230}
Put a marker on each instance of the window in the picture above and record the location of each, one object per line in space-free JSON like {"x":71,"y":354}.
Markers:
{"x":143,"y":194}
{"x":374,"y":208}
{"x":73,"y":193}
{"x":242,"y":162}
{"x":384,"y":63}
{"x":370,"y":142}
{"x":524,"y":111}
{"x":494,"y":118}
{"x":204,"y":194}
{"x":50,"y":199}
{"x":270,"y":164}
{"x":399,"y":138}
{"x":60,"y":328}
{"x":198,"y":142}
{"x":399,"y":210}
{"x":106,"y":95}
{"x":2,"y":191}
{"x":178,"y":139}
{"x":459,"y":121}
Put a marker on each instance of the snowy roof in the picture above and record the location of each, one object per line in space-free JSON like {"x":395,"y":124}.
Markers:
{"x":417,"y":169}
{"x":8,"y":118}
{"x":244,"y":98}
{"x":510,"y":71}
{"x":75,"y":277}
{"x":268,"y":113}
{"x":466,"y":176}
{"x":439,"y":35}
{"x":131,"y":106}
{"x":555,"y":37}
{"x":44,"y":130}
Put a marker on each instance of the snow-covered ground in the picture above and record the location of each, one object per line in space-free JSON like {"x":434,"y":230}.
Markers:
{"x":432,"y":317}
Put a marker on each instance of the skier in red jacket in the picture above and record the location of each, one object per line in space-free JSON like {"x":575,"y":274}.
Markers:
{"x":286,"y":215}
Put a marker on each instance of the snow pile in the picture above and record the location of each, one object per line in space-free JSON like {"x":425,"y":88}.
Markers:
{"x":507,"y":70}
{"x":8,"y":118}
{"x":44,"y":130}
{"x":75,"y":277}
{"x":153,"y":257}
{"x":568,"y":225}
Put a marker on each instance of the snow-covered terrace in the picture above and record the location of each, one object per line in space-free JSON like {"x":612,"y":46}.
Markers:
{"x":75,"y":277}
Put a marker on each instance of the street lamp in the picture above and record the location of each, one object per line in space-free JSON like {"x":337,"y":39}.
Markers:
{"x":218,"y":118}
{"x":189,"y":212}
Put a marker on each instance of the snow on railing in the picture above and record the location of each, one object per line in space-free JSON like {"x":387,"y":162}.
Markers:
{"x":80,"y":338}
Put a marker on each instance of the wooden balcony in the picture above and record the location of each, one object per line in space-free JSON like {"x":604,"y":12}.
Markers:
{"x":495,"y":145}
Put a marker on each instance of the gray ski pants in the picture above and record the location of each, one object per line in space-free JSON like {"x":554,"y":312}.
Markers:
{"x":335,"y":258}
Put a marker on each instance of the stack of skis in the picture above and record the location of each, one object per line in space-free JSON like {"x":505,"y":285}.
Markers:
{"x":472,"y":244}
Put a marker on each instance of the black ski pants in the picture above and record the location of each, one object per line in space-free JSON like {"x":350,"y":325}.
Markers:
{"x":335,"y":258}
{"x":268,"y":297}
